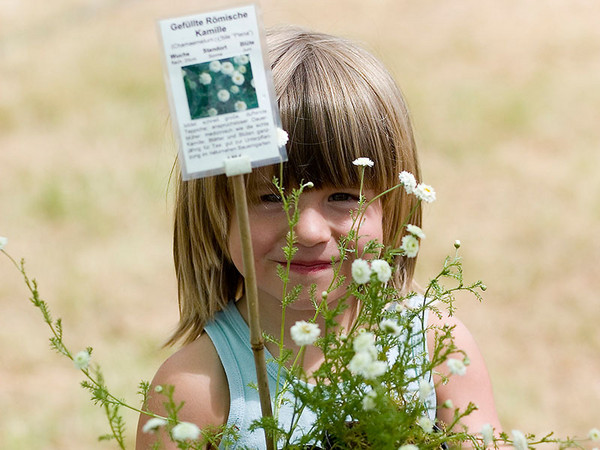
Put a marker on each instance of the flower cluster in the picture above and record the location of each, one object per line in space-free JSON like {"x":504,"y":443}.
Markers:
{"x":365,"y":362}
{"x":220,"y":87}
{"x":362,"y":270}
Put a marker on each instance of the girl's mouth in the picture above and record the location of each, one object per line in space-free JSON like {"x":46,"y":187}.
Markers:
{"x":308,"y":267}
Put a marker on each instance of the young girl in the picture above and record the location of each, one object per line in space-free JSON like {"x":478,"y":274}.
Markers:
{"x":338,"y":103}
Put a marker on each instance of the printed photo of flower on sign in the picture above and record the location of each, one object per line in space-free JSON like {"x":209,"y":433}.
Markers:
{"x":219,"y":87}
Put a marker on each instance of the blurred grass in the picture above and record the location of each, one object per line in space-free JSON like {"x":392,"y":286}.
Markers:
{"x":505,"y":98}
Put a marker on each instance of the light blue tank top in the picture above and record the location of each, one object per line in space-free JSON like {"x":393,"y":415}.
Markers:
{"x":231,"y":337}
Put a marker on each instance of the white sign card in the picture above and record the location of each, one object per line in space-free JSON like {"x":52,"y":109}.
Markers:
{"x":220,"y":90}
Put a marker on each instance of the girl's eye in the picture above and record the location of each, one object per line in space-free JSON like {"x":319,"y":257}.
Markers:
{"x":343,"y":197}
{"x":270,"y":198}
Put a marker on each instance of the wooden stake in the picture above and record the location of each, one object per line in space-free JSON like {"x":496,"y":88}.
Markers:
{"x":251,"y":292}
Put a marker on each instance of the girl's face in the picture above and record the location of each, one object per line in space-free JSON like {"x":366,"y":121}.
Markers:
{"x":324,"y":218}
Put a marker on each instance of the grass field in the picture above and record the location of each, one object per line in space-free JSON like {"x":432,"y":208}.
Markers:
{"x":506,"y":104}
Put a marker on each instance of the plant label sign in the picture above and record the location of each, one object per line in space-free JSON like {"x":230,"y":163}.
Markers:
{"x":220,"y":90}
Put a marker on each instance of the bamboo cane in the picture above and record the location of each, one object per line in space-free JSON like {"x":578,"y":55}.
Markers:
{"x":256,"y":337}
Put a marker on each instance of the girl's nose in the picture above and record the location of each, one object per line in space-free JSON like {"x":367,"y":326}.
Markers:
{"x":313,"y":227}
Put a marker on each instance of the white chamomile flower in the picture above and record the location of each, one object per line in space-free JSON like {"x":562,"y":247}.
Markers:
{"x":214,"y":66}
{"x":410,"y":245}
{"x":252,"y":82}
{"x":374,"y":370}
{"x":234,"y":89}
{"x":361,"y":272}
{"x":519,"y":440}
{"x":382,"y":269}
{"x":282,"y":137}
{"x":359,"y":362}
{"x":158,"y":389}
{"x":238,"y":78}
{"x":368,"y":401}
{"x":363,"y":162}
{"x":426,"y":424}
{"x":448,"y":404}
{"x":3,"y":242}
{"x":223,"y":95}
{"x":227,"y":68}
{"x":153,"y":424}
{"x":594,"y":434}
{"x":304,"y":333}
{"x":240,"y":106}
{"x":82,"y":360}
{"x":415,"y":231}
{"x":212,"y":112}
{"x":185,"y":431}
{"x":425,"y":389}
{"x":241,"y":59}
{"x":425,"y":193}
{"x":205,"y":78}
{"x":456,"y":366}
{"x":364,"y":343}
{"x":390,"y":326}
{"x":408,"y":180}
{"x":487,"y":433}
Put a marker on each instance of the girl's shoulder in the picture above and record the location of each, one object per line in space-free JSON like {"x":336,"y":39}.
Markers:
{"x":198,"y":378}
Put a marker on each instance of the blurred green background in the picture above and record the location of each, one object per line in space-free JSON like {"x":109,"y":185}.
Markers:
{"x":505,"y":98}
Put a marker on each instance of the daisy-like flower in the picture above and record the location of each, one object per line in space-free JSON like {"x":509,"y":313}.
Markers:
{"x":426,"y":424}
{"x":185,"y":431}
{"x":374,"y":370}
{"x":365,"y":343}
{"x":212,"y":112}
{"x":415,"y":231}
{"x":241,"y":69}
{"x":282,"y":137}
{"x":594,"y":434}
{"x":361,"y":272}
{"x":390,"y":326}
{"x":241,"y":59}
{"x":368,"y":401}
{"x":425,"y":389}
{"x":487,"y":433}
{"x":223,"y":95}
{"x":3,"y":242}
{"x":237,"y":78}
{"x":240,"y":106}
{"x":304,"y":333}
{"x":359,"y":362}
{"x":214,"y":66}
{"x":456,"y":366}
{"x":252,"y":82}
{"x":363,"y":162}
{"x":227,"y":68}
{"x":519,"y":440}
{"x":82,"y":360}
{"x":382,"y":269}
{"x":410,"y":245}
{"x":234,"y":89}
{"x":153,"y":424}
{"x":425,"y":193}
{"x":457,"y":244}
{"x":205,"y":78}
{"x":408,"y":180}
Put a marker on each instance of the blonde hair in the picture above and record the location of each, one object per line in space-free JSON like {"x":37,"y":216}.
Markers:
{"x":337,"y":102}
